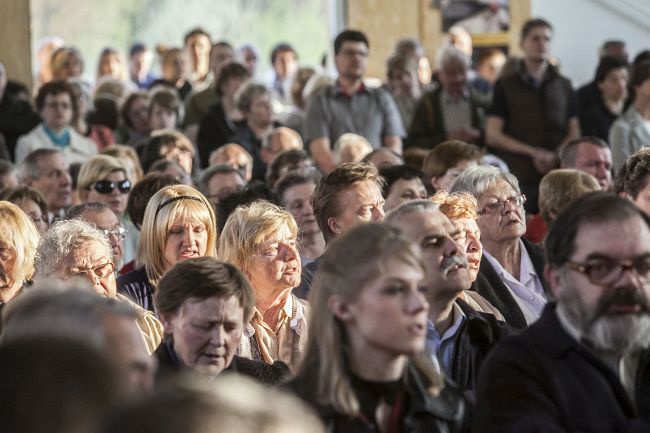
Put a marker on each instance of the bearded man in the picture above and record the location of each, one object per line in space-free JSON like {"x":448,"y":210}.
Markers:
{"x":585,"y":364}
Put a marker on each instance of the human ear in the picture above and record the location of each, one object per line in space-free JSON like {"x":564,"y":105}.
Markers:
{"x":340,"y":308}
{"x":333,"y":224}
{"x":167,"y":322}
{"x":553,"y":278}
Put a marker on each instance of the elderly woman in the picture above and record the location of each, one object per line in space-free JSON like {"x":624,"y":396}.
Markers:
{"x":364,"y":370}
{"x":204,"y":304}
{"x":18,"y":242}
{"x":75,"y":249}
{"x":179,"y":224}
{"x":31,"y":202}
{"x":512,"y":265}
{"x":104,"y":179}
{"x":261,"y":240}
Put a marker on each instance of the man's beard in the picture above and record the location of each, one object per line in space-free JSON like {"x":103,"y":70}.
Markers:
{"x":610,"y":333}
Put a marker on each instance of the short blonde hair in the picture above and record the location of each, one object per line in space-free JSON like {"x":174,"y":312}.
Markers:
{"x":456,"y":205}
{"x":167,"y":206}
{"x":559,"y":188}
{"x":120,"y":151}
{"x":94,"y":169}
{"x":248,"y":227}
{"x":19,"y":233}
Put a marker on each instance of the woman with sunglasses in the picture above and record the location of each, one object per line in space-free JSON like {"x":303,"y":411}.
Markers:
{"x":104,"y":179}
{"x":179,"y":224}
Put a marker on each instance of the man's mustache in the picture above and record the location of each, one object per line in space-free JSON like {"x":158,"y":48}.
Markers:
{"x":630,"y":296}
{"x":450,"y":262}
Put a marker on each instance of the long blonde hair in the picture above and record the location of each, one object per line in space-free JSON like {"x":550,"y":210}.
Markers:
{"x":349,"y":263}
{"x":19,"y":233}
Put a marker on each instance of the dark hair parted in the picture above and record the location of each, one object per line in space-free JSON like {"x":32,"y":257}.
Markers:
{"x":533,"y":23}
{"x":393,"y":173}
{"x":595,"y":207}
{"x":349,"y":36}
{"x":142,"y":193}
{"x":203,"y":278}
{"x":325,"y":200}
{"x":634,"y":174}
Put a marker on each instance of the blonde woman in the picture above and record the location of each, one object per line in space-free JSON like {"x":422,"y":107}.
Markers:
{"x":18,"y":242}
{"x":261,"y":240}
{"x":363,"y":370}
{"x":179,"y":224}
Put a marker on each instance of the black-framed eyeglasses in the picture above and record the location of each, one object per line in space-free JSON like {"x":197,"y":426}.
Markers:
{"x":492,"y":208}
{"x":107,"y":186}
{"x":605,"y":272}
{"x":100,"y":271}
{"x":119,"y":232}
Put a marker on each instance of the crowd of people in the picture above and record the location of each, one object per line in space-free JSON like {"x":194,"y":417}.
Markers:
{"x":464,"y":248}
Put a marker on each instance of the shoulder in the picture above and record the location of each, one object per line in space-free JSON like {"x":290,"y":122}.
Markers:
{"x":137,"y":276}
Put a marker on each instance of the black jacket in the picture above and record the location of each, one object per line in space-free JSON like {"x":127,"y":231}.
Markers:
{"x":542,"y":380}
{"x":478,"y":334}
{"x":269,"y":374}
{"x":423,"y":412}
{"x":492,"y":288}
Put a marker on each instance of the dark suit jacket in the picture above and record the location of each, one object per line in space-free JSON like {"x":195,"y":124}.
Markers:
{"x":542,"y":380}
{"x":491,"y":287}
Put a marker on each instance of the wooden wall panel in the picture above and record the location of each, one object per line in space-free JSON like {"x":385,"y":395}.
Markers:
{"x":15,"y":39}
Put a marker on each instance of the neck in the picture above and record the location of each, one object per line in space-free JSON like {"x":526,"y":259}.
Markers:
{"x":614,"y":105}
{"x":9,"y":293}
{"x":508,"y":254}
{"x":440,"y":310}
{"x":642,"y":105}
{"x":260,"y":131}
{"x":350,"y":85}
{"x":536,"y":68}
{"x":56,"y":129}
{"x":269,"y":303}
{"x":229,"y":107}
{"x":372,"y":365}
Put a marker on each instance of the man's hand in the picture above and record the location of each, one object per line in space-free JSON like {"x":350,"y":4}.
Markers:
{"x":544,"y":160}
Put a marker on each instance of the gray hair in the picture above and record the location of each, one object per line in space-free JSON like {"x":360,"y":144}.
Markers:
{"x":69,"y":309}
{"x":477,"y":180}
{"x":451,"y":54}
{"x":62,"y":238}
{"x":212,"y":170}
{"x":395,"y":216}
{"x":28,"y":168}
{"x":78,"y":210}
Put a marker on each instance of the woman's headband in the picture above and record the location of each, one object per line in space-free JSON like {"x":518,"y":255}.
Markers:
{"x":173,"y":199}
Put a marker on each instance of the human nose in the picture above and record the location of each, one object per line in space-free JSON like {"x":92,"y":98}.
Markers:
{"x":189,"y":237}
{"x":378,"y":212}
{"x":417,"y":302}
{"x":217,"y":336}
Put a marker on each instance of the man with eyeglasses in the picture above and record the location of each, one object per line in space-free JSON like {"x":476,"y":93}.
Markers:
{"x":101,"y":216}
{"x":75,"y":249}
{"x":56,"y":104}
{"x":350,"y":106}
{"x":585,"y":364}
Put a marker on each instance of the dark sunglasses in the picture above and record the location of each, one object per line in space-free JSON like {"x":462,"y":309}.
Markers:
{"x":107,"y":186}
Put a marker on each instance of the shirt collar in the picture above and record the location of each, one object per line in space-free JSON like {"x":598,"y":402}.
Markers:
{"x":458,"y":318}
{"x":449,"y":99}
{"x":338,"y":90}
{"x":526,"y":268}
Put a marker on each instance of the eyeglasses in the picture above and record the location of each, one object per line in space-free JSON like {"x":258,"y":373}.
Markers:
{"x":107,"y":186}
{"x":100,"y":271}
{"x":606,"y":272}
{"x":491,"y":208}
{"x":119,"y":232}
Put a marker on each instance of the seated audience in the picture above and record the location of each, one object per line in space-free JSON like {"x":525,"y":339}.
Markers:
{"x":261,"y":240}
{"x":402,"y":184}
{"x":445,"y":162}
{"x":56,"y":103}
{"x":295,"y":190}
{"x":279,"y":140}
{"x":205,"y":305}
{"x":591,"y":155}
{"x":178,"y":224}
{"x":197,"y":45}
{"x":110,"y":65}
{"x":633,"y":179}
{"x":140,"y":60}
{"x":413,"y":48}
{"x":101,"y":135}
{"x":489,"y":64}
{"x":350,"y":148}
{"x":47,"y":171}
{"x":512,"y":265}
{"x":222,"y":119}
{"x":219,"y":181}
{"x":75,"y":249}
{"x":629,"y":132}
{"x":169,"y":145}
{"x":18,"y":242}
{"x":235,"y":156}
{"x":295,"y":119}
{"x":286,"y":161}
{"x":134,"y":117}
{"x":583,"y":366}
{"x":8,"y":175}
{"x":383,"y":157}
{"x":403,"y":85}
{"x":66,"y":62}
{"x":589,"y":95}
{"x":164,"y":110}
{"x":364,"y":357}
{"x":129,"y":158}
{"x":31,"y":202}
{"x":454,"y":111}
{"x":558,"y":189}
{"x":173,"y":68}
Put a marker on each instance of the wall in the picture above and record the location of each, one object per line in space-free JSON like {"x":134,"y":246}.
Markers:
{"x":584,"y":26}
{"x":15,"y":39}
